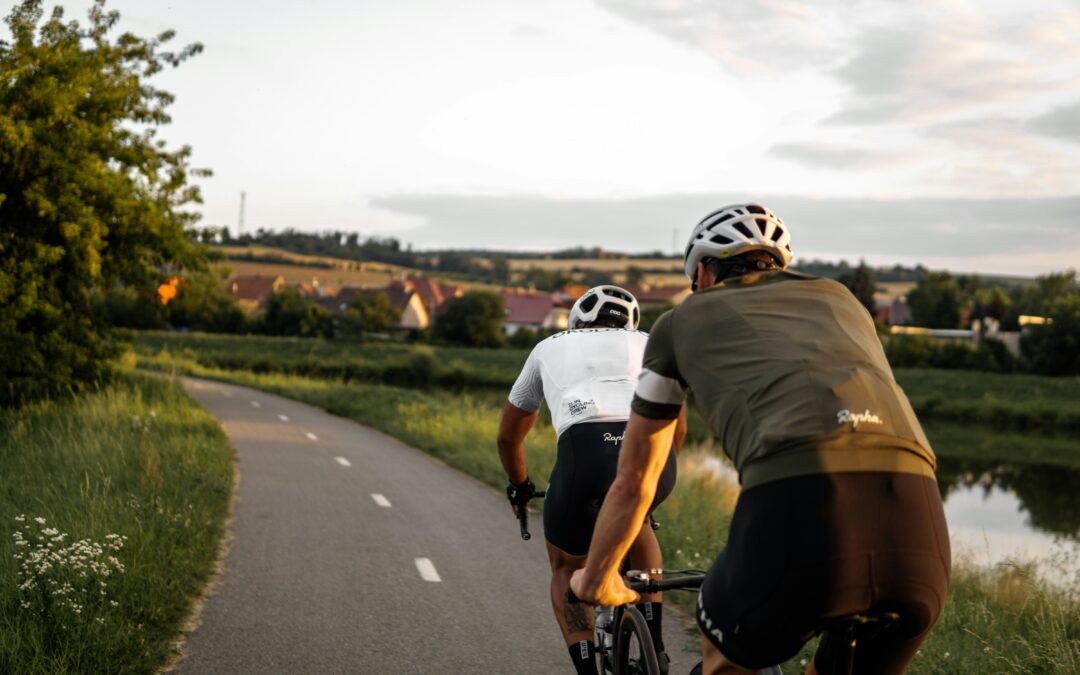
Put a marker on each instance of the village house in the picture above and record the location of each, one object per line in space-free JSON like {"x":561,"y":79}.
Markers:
{"x":650,"y":296}
{"x":414,"y":314}
{"x":252,"y":291}
{"x":533,"y":310}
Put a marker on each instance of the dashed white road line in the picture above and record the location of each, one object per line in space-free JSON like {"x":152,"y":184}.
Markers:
{"x":343,"y":462}
{"x":427,"y":570}
{"x":256,"y":404}
{"x":283,"y":418}
{"x":381,"y":501}
{"x":311,"y":436}
{"x":226,"y":393}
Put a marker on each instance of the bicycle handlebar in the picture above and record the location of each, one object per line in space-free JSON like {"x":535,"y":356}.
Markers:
{"x":523,"y":514}
{"x":650,"y":585}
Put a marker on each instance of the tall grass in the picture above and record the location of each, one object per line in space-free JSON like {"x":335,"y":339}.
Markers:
{"x":1000,"y":620}
{"x":136,"y":472}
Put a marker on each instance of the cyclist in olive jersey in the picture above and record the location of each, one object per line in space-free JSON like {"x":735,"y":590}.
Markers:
{"x":839,"y":511}
{"x":587,"y":376}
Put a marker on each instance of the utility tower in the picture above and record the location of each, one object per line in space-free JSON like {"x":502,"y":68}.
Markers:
{"x":240,"y":225}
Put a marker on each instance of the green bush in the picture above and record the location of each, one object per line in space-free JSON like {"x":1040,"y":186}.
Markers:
{"x":290,"y":313}
{"x":473,"y":320}
{"x":920,"y":351}
{"x":1054,"y":348}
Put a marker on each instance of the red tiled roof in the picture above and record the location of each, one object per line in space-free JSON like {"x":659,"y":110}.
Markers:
{"x":247,"y":287}
{"x":527,"y":308}
{"x":656,"y":293}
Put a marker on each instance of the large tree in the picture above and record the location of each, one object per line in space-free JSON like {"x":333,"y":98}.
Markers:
{"x":89,"y":197}
{"x":475,"y":320}
{"x":937,"y":301}
{"x":861,"y":284}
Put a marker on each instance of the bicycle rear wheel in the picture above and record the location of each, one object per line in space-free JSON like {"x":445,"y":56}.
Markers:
{"x":634,"y":652}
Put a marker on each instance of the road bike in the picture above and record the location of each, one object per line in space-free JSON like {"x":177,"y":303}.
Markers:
{"x":625,"y":646}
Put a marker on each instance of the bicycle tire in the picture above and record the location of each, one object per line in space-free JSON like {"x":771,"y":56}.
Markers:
{"x":634,"y":651}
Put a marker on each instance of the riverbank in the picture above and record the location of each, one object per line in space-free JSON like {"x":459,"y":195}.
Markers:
{"x":1000,"y":620}
{"x":112,"y":512}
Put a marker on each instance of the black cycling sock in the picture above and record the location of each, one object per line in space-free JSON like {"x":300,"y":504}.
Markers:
{"x":654,"y":615}
{"x":583,"y":654}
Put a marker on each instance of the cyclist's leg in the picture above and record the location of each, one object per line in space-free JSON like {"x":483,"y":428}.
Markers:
{"x":576,"y":621}
{"x":714,"y":663}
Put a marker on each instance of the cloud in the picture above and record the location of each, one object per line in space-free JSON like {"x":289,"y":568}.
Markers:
{"x":749,"y":37}
{"x":931,"y":71}
{"x":834,"y":156}
{"x":1063,"y":122}
{"x":912,"y":228}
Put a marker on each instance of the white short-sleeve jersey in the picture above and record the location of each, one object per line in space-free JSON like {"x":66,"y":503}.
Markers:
{"x":585,"y":375}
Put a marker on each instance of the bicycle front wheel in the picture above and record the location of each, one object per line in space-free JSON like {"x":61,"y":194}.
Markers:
{"x":634,"y":652}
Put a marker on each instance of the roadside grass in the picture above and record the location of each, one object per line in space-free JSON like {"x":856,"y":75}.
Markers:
{"x":1000,"y":620}
{"x":115,"y":504}
{"x":1004,"y":402}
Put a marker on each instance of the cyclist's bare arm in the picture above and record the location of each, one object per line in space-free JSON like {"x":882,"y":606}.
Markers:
{"x":642,"y":457}
{"x":514,"y":426}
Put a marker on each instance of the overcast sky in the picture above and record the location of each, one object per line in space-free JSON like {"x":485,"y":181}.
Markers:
{"x":945,"y":132}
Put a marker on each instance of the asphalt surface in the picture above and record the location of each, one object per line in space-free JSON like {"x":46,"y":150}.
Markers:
{"x":326,"y":572}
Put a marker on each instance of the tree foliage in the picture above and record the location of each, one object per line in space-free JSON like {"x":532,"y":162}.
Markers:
{"x":475,"y":320}
{"x":370,"y":313}
{"x":88,"y":196}
{"x":937,"y":301}
{"x":203,"y":304}
{"x":290,"y":313}
{"x":861,"y":284}
{"x":1054,"y":348}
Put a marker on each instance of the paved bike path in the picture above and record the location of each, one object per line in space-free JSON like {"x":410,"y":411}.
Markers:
{"x":323,"y":576}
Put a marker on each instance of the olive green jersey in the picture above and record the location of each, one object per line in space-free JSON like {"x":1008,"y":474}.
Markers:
{"x":789,"y":374}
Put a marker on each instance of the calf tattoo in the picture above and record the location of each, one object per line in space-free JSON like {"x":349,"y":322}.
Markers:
{"x":577,"y":617}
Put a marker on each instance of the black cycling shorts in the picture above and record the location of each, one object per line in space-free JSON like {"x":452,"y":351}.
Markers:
{"x":804,"y":549}
{"x":584,"y":470}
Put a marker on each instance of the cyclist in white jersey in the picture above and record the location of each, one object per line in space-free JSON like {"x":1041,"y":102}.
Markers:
{"x":587,"y":376}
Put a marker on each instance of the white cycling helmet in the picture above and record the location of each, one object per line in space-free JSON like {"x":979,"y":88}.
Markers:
{"x":734,"y":230}
{"x":606,"y":303}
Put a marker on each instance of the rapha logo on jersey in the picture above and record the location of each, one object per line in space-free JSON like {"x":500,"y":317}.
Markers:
{"x":845,"y":416}
{"x":612,"y":438}
{"x":577,"y":406}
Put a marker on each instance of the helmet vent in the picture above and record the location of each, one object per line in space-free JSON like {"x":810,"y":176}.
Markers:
{"x":741,"y":227}
{"x":720,"y":239}
{"x":726,"y":216}
{"x":777,"y":233}
{"x":754,"y":208}
{"x":762,"y":225}
{"x":588,"y":303}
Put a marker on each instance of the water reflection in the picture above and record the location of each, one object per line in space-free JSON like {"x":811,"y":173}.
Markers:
{"x":1048,"y":495}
